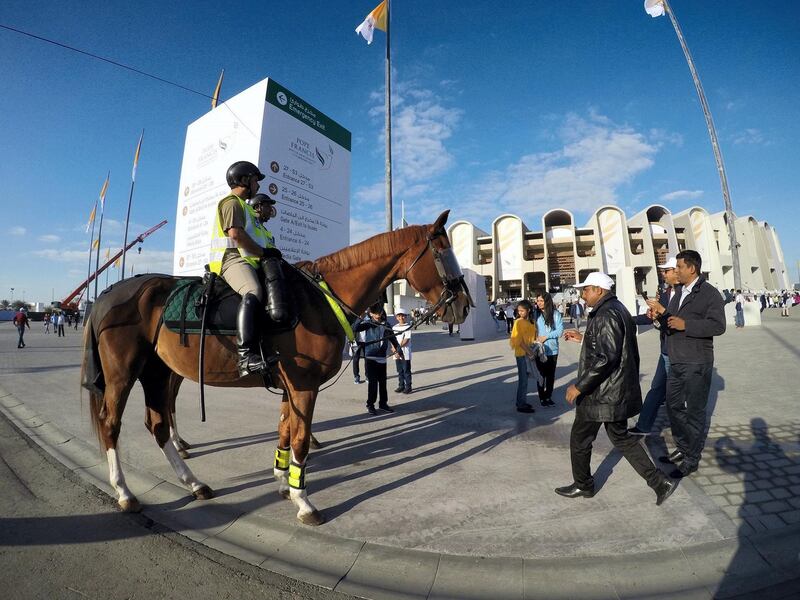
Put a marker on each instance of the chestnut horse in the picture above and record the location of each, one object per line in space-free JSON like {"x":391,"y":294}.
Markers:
{"x":125,"y":341}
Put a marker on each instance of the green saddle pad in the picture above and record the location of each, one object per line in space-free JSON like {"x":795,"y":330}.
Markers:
{"x":182,"y":314}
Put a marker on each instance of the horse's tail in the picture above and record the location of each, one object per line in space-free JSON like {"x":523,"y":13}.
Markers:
{"x":92,"y":373}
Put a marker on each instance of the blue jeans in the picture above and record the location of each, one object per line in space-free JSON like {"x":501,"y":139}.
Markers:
{"x":655,"y":397}
{"x":522,"y":381}
{"x":403,"y":374}
{"x":740,"y":318}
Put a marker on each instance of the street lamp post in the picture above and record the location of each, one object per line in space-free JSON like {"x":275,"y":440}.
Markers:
{"x":712,"y":132}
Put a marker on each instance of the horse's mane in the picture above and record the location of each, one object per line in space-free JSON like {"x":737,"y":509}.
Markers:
{"x":383,"y":244}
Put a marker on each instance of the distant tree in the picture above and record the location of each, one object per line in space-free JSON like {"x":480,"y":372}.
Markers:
{"x":4,"y":304}
{"x":17,"y":304}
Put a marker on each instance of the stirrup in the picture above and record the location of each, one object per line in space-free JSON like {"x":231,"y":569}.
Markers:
{"x":251,"y":364}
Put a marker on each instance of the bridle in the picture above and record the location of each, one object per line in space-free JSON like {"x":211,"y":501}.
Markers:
{"x":444,"y":259}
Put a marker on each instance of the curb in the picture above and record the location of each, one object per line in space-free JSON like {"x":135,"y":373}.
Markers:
{"x":728,"y":568}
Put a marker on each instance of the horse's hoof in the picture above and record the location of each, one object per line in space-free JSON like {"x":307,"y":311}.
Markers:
{"x":313,"y":518}
{"x":183,"y":453}
{"x":131,"y":505}
{"x":182,"y":443}
{"x":315,"y":445}
{"x":203,"y":493}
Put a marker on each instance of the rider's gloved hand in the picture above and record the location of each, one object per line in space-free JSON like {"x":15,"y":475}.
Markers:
{"x":271,"y":253}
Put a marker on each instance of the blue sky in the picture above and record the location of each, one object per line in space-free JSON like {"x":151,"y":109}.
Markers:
{"x":535,"y":106}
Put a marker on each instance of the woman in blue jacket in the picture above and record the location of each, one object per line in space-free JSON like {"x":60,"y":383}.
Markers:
{"x":550,"y":327}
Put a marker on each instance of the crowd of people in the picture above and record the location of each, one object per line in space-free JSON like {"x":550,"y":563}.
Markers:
{"x":57,"y":320}
{"x":689,"y":313}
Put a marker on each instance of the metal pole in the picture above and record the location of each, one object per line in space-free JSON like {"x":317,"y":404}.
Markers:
{"x":130,"y":198}
{"x":91,"y":245}
{"x":388,"y":106}
{"x":125,"y":239}
{"x":737,"y":277}
{"x":100,"y":234}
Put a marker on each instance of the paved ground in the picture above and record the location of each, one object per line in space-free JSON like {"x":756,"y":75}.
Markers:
{"x":457,"y":473}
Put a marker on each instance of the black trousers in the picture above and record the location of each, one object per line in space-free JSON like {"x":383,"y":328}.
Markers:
{"x":687,"y":397}
{"x":548,"y":371}
{"x":580,"y":449}
{"x":376,"y":383}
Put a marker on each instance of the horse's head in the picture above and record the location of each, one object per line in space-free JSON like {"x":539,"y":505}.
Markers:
{"x":435,"y":273}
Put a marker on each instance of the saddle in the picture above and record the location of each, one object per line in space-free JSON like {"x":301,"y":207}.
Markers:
{"x":183,"y":310}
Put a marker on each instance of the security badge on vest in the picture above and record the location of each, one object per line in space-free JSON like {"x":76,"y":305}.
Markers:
{"x":221,"y":242}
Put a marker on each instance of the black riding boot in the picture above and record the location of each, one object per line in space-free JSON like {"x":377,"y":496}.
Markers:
{"x":248,"y":336}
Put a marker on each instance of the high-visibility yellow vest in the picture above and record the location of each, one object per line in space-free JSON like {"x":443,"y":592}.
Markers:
{"x":221,"y":242}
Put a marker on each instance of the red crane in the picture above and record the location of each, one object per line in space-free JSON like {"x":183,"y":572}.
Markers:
{"x":67,"y":303}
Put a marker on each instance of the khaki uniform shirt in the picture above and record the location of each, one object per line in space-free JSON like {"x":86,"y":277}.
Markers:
{"x":231,"y":215}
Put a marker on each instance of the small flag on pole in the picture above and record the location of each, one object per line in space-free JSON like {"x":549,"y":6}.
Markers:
{"x":103,"y":193}
{"x":136,"y":156}
{"x":116,"y":263}
{"x":96,"y":244}
{"x":108,"y":253}
{"x":375,"y":20}
{"x":91,"y":217}
{"x":215,"y":97}
{"x":654,"y":8}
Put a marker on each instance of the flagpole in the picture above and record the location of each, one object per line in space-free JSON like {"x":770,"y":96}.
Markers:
{"x":100,"y":233}
{"x":130,"y":198}
{"x":388,"y":105}
{"x":712,"y":132}
{"x":91,"y":245}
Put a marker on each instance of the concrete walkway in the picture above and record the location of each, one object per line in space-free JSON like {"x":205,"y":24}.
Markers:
{"x":452,"y":495}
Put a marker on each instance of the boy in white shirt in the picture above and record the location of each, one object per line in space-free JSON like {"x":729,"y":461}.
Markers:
{"x":402,"y":331}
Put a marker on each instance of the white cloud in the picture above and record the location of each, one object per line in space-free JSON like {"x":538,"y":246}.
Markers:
{"x":371,"y":194}
{"x":149,"y":261}
{"x":49,"y":239}
{"x":421,"y":127}
{"x":17,"y":230}
{"x":681,"y":195}
{"x":596,"y":158}
{"x":751,"y":136}
{"x":361,"y":230}
{"x":63,"y":256}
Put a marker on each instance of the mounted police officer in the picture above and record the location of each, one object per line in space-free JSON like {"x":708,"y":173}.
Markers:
{"x":240,"y":247}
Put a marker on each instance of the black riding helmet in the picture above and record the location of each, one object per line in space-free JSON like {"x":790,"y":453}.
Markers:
{"x":260,"y":199}
{"x":239,"y":173}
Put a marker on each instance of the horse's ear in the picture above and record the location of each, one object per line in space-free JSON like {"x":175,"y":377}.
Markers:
{"x":439,"y":223}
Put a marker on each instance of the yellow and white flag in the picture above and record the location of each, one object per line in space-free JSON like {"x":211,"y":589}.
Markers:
{"x":96,"y":244}
{"x":136,"y":156}
{"x":375,"y":20}
{"x":654,"y":8}
{"x":103,"y":193}
{"x":91,"y":217}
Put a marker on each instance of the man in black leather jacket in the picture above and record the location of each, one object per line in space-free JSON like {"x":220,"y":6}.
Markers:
{"x":607,"y":390}
{"x":693,"y":317}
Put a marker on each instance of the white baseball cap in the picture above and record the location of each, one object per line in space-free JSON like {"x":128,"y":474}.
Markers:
{"x":599,"y":279}
{"x":400,"y":311}
{"x":672,"y":263}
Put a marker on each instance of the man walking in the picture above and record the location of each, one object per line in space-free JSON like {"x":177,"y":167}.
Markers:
{"x":20,"y":321}
{"x":693,"y":317}
{"x":607,"y":391}
{"x":658,"y":388}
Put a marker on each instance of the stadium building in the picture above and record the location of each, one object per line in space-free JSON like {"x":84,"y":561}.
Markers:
{"x":517,"y":261}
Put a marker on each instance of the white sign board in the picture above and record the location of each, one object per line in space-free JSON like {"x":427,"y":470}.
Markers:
{"x":306,"y":159}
